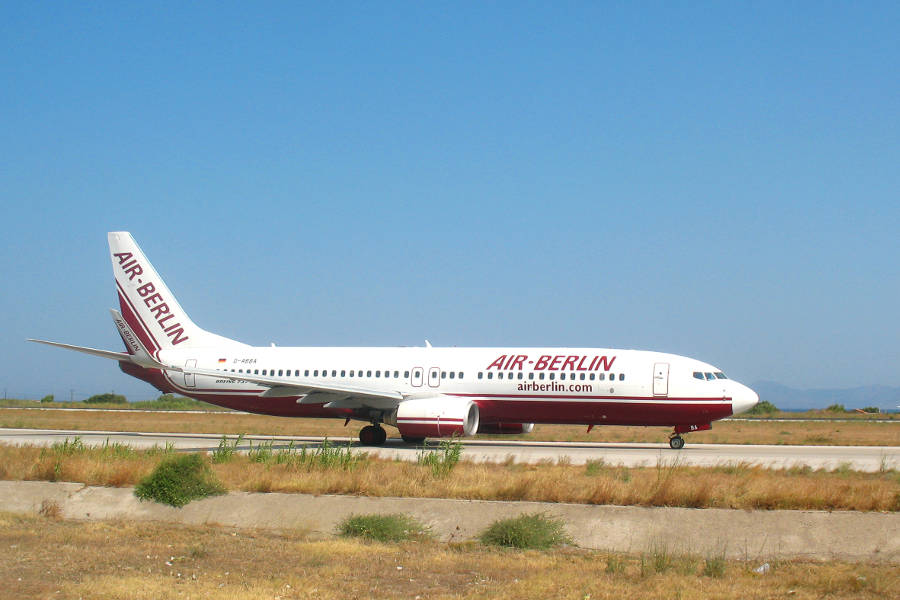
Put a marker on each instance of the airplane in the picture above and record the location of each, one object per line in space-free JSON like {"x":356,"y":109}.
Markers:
{"x":424,"y":392}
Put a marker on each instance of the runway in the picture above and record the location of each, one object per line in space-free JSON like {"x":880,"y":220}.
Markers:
{"x":860,"y":458}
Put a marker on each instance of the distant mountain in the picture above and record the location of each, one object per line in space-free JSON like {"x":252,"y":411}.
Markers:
{"x":782,"y":396}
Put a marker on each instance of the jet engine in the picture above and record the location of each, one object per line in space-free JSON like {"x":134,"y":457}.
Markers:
{"x":434,"y":417}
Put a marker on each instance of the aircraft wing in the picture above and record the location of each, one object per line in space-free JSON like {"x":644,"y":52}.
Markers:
{"x":312,"y":392}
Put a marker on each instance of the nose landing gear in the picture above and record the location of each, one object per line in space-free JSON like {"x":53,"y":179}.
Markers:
{"x":676,"y":442}
{"x":372,"y":435}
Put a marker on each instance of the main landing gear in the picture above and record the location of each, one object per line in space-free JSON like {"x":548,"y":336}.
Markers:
{"x":676,"y":442}
{"x":372,"y":435}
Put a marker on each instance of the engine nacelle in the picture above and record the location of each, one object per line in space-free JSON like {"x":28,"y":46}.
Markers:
{"x":505,"y":428}
{"x":435,"y":417}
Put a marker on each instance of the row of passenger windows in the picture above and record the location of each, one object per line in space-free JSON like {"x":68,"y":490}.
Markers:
{"x":444,"y":374}
{"x":552,"y":376}
{"x":341,"y":373}
{"x":709,"y":376}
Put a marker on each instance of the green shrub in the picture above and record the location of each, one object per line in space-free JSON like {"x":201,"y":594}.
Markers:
{"x":383,"y":528}
{"x":763,"y":408}
{"x":837,"y":408}
{"x":179,"y":480}
{"x":444,"y":459}
{"x":47,"y":399}
{"x":107,"y":399}
{"x":868,"y":409}
{"x":535,"y":530}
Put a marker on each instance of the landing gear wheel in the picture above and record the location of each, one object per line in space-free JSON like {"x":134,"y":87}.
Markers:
{"x":412,"y":440}
{"x":676,"y":442}
{"x":372,"y":435}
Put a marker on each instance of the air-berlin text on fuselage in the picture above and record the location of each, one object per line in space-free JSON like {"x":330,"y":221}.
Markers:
{"x":559,"y":362}
{"x":152,"y":300}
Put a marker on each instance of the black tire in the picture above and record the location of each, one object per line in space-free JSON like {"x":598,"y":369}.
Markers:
{"x":368,"y":435}
{"x":412,"y":440}
{"x":381,"y":436}
{"x":676,"y":442}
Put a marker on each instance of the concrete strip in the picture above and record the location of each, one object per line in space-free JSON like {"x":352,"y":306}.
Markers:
{"x":754,"y":535}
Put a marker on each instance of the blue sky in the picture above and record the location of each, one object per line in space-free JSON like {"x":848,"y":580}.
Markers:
{"x":718,"y":180}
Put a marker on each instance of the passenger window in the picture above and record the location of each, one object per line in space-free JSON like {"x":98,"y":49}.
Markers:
{"x":396,"y":374}
{"x":582,"y":376}
{"x":500,"y":375}
{"x":490,"y":375}
{"x":552,"y":376}
{"x":602,"y":376}
{"x":405,"y":374}
{"x":521,"y":375}
{"x":256,"y":371}
{"x":541,"y":375}
{"x":460,"y":374}
{"x":334,"y":372}
{"x":368,"y":373}
{"x":377,"y":373}
{"x":343,"y":373}
{"x":306,"y":373}
{"x":592,"y":376}
{"x":452,"y":374}
{"x":621,"y":376}
{"x":480,"y":375}
{"x":443,"y":374}
{"x":531,"y":375}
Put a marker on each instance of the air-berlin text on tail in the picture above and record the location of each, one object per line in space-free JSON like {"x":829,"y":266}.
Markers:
{"x":559,"y":362}
{"x":152,"y":299}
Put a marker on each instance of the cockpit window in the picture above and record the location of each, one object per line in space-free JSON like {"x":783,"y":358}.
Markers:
{"x":698,"y":375}
{"x":720,"y":375}
{"x":710,"y":376}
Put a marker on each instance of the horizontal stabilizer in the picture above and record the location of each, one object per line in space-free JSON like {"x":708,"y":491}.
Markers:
{"x":92,"y":351}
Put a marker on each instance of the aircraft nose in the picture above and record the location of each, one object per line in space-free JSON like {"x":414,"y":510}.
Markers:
{"x":743,"y":399}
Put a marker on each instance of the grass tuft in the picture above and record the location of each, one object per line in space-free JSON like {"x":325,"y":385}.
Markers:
{"x":714,"y":566}
{"x":179,"y":480}
{"x":384,"y":528}
{"x":226,"y":450}
{"x":444,"y":459}
{"x":69,"y":448}
{"x":532,"y":531}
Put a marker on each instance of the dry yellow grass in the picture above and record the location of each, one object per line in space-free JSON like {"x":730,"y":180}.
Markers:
{"x":734,"y":486}
{"x":855,"y":432}
{"x":147,"y":561}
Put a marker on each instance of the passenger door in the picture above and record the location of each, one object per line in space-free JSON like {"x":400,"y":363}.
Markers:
{"x":661,"y":379}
